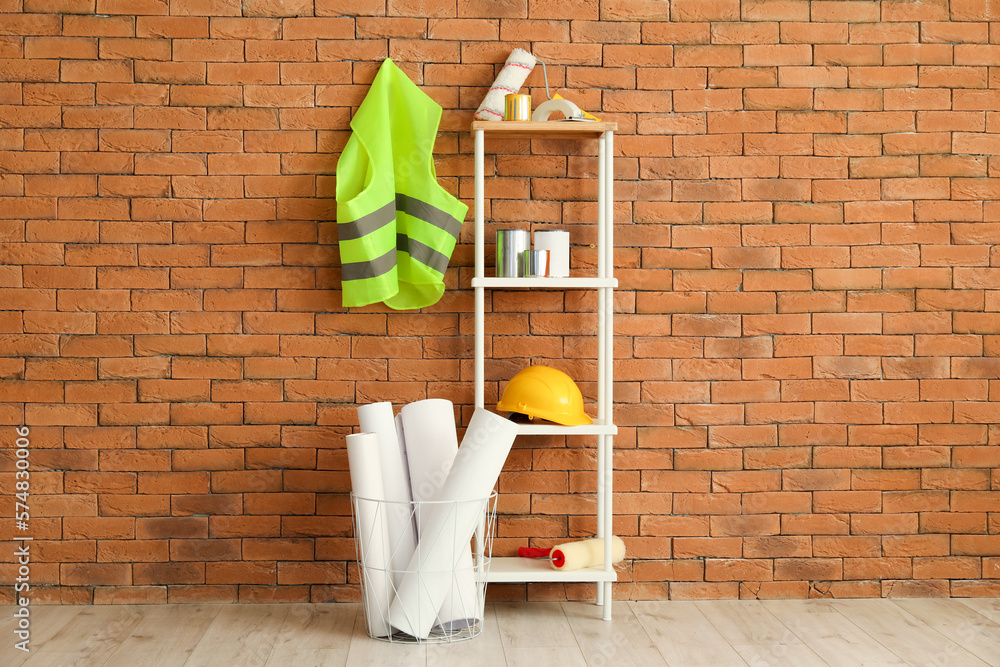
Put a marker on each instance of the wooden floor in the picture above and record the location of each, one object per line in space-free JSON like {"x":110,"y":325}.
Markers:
{"x":542,"y":634}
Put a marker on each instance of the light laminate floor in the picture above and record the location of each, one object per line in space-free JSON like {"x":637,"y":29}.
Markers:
{"x":846,"y":633}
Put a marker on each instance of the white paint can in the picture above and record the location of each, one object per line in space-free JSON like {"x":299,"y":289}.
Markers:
{"x":557,"y":243}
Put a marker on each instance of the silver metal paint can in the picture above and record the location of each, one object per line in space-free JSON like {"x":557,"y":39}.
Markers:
{"x":511,"y":244}
{"x":535,"y":263}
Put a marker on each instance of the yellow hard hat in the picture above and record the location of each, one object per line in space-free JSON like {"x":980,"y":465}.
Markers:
{"x":541,"y":391}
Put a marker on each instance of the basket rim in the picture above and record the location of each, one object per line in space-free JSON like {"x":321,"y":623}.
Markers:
{"x":493,"y":495}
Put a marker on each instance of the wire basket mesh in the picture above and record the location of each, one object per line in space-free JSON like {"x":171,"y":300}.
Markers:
{"x":428,"y":585}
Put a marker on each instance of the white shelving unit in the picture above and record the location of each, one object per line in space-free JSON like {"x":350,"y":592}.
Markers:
{"x":516,"y":570}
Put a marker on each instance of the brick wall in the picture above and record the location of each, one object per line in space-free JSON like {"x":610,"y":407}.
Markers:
{"x":808,"y":330}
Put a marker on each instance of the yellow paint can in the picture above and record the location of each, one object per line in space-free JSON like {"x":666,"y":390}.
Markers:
{"x":517,"y":107}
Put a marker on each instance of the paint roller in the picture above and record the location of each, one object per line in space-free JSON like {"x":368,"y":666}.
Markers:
{"x":517,"y":68}
{"x":577,"y":555}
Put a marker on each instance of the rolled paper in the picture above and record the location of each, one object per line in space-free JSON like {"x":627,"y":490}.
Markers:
{"x":449,"y":526}
{"x":372,"y":530}
{"x":377,"y":418}
{"x":432,"y":442}
{"x":517,"y":68}
{"x":406,"y":468}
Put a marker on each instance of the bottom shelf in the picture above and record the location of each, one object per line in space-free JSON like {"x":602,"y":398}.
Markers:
{"x":508,"y":570}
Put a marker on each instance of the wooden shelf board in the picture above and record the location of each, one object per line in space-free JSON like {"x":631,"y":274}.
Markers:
{"x":547,"y":129}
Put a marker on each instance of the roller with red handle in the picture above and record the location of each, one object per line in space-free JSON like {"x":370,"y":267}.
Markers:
{"x":577,"y":555}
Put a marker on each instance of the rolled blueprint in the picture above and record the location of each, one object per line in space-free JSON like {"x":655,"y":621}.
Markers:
{"x":377,"y":418}
{"x":449,"y":526}
{"x":406,"y":471}
{"x":372,"y":531}
{"x":432,"y":442}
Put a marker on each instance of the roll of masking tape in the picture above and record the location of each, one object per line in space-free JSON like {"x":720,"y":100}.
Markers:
{"x":585,"y":553}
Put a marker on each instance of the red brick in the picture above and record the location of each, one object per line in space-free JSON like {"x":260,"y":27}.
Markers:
{"x":877,"y":568}
{"x":738,"y":570}
{"x":285,"y":549}
{"x":825,"y":569}
{"x":240,"y":573}
{"x":974,"y":545}
{"x":957,"y":567}
{"x":178,"y":437}
{"x":950,"y":522}
{"x":94,"y":574}
{"x":245,"y":526}
{"x":841,"y":546}
{"x":208,"y":550}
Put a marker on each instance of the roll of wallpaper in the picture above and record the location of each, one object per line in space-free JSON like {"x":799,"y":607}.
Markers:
{"x":432,"y":442}
{"x":557,"y":243}
{"x":372,"y":529}
{"x":517,"y":68}
{"x":377,"y":418}
{"x":449,"y":527}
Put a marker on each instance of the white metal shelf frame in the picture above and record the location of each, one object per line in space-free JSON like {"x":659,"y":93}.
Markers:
{"x":508,"y":570}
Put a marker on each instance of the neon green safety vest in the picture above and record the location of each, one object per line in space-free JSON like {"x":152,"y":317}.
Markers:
{"x":397,"y":226}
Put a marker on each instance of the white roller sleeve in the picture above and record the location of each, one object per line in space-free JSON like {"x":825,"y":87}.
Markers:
{"x":373,"y":533}
{"x":449,"y":528}
{"x":432,"y":442}
{"x":517,"y":68}
{"x":377,"y":418}
{"x":585,"y":553}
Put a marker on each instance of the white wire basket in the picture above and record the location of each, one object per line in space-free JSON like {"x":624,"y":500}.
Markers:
{"x":424,"y":566}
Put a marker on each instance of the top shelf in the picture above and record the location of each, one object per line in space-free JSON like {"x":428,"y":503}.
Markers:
{"x":546,"y":129}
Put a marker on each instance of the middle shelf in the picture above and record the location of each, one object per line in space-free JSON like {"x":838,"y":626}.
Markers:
{"x":546,"y":283}
{"x":597,"y":428}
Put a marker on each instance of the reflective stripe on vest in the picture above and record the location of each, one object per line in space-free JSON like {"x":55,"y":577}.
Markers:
{"x":386,"y":215}
{"x":396,"y":226}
